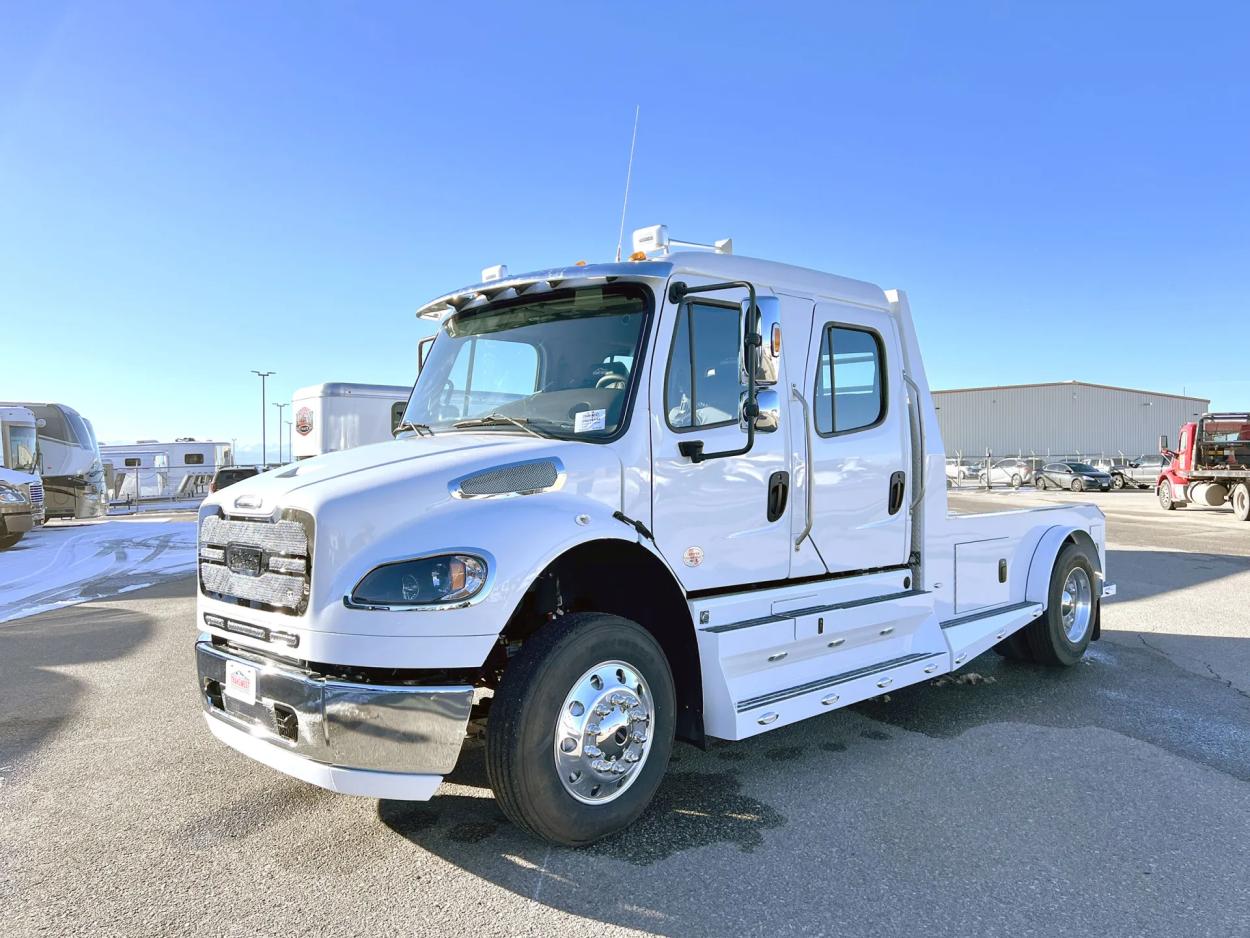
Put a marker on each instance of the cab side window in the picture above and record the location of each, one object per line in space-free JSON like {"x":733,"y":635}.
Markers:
{"x":704,"y":384}
{"x":850,"y":385}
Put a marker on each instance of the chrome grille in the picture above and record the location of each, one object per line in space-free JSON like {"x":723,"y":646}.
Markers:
{"x":36,"y":493}
{"x":282,"y":580}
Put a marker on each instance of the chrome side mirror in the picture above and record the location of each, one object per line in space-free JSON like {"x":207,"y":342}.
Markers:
{"x":765,"y":321}
{"x":769,"y":402}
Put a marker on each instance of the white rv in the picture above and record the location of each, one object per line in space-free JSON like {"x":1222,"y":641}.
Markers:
{"x":19,"y":456}
{"x":69,"y":461}
{"x":690,"y":496}
{"x":152,"y":469}
{"x":338,"y":415}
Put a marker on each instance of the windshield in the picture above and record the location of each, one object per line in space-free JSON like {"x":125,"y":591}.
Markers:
{"x":19,"y":449}
{"x":559,"y":364}
{"x":1081,"y":467}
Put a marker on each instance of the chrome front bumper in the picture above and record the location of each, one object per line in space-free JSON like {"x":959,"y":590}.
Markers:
{"x":394,"y":741}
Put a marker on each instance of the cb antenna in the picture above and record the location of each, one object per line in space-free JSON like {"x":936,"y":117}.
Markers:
{"x":629,"y":171}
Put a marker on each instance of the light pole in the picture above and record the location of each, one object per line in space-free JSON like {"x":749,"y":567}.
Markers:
{"x":280,"y":408}
{"x":290,"y":449}
{"x":263,"y":452}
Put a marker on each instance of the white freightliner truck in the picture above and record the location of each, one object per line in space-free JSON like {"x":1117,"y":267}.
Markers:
{"x":692,"y":495}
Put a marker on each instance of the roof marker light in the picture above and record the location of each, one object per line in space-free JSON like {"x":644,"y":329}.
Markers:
{"x":498,"y":272}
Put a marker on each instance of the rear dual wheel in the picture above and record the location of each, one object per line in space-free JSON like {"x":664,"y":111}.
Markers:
{"x":1062,"y":633}
{"x":581,"y":728}
{"x":1240,"y":498}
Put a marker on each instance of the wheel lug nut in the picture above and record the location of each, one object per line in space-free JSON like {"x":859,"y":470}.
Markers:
{"x":593,"y":729}
{"x":619,"y":768}
{"x":593,"y":752}
{"x":638,"y":736}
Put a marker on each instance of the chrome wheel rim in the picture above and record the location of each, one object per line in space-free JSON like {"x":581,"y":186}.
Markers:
{"x":603,"y":732}
{"x":1076,"y":605}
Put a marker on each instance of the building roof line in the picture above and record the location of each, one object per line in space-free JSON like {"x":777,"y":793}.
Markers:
{"x":1068,"y":384}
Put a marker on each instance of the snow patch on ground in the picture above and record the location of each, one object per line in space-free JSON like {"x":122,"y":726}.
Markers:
{"x":63,"y":564}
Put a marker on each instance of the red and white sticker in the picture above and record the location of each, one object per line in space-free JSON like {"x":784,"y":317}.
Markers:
{"x":241,"y":682}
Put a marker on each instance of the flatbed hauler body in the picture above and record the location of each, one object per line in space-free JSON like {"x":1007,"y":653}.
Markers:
{"x":1210,"y":465}
{"x":692,"y":495}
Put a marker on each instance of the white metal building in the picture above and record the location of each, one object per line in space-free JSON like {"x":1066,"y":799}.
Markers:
{"x":1061,"y":418}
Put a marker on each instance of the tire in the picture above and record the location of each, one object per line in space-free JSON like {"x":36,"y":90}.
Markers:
{"x":1164,"y":492}
{"x":1040,"y":483}
{"x":1240,"y":499}
{"x":1117,"y":482}
{"x":1015,"y":646}
{"x":1016,"y":481}
{"x":530,"y":705}
{"x":1078,"y":485}
{"x":1063,"y":632}
{"x":8,"y":540}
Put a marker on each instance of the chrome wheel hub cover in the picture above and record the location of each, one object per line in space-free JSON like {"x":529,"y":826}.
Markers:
{"x":1076,"y":606}
{"x":603,"y":732}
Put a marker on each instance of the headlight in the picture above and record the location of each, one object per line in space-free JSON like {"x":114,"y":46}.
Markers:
{"x":451,"y":578}
{"x":10,"y":494}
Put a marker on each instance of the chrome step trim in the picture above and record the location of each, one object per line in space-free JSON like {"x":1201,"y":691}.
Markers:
{"x":763,"y":700}
{"x":987,"y":613}
{"x":813,"y":610}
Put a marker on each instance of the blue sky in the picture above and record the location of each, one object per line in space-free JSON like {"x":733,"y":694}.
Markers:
{"x":190,"y":191}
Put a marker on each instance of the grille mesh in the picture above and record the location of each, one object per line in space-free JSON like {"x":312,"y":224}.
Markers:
{"x":284,"y":551}
{"x":284,"y":537}
{"x":272,"y":588}
{"x":506,"y":480}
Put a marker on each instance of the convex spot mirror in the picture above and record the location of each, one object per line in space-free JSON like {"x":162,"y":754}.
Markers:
{"x":769,"y":403}
{"x":764,"y":321}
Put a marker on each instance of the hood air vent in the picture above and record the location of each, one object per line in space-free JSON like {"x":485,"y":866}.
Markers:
{"x":518,"y":478}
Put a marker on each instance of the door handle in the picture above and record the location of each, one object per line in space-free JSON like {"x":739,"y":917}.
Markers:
{"x":898,"y":483}
{"x":778,"y":492}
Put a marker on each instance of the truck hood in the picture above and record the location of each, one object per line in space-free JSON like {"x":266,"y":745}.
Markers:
{"x":417,"y":470}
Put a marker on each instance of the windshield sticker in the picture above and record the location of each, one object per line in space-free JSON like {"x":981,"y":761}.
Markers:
{"x":588,"y":420}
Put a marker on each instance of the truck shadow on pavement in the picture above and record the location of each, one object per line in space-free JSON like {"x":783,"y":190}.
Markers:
{"x":693,"y":808}
{"x":1140,"y":574}
{"x":36,"y":696}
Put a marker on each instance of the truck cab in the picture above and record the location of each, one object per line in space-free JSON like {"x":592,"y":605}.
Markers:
{"x":690,"y":495}
{"x":1210,"y":465}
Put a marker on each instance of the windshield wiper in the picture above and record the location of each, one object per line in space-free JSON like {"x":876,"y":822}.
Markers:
{"x":496,"y":420}
{"x":420,"y":429}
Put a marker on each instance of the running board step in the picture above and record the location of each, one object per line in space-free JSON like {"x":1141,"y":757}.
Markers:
{"x":972,"y":634}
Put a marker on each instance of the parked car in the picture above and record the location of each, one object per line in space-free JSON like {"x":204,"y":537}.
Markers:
{"x":1076,"y":476}
{"x":228,"y":475}
{"x":17,"y":514}
{"x":1143,"y":472}
{"x":1013,"y":472}
{"x":959,"y":471}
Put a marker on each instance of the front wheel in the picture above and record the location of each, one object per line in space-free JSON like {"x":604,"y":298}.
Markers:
{"x":8,"y":540}
{"x":1165,"y":496}
{"x":1241,"y":501}
{"x":1040,"y":483}
{"x":1063,"y":632}
{"x":581,"y":728}
{"x":1117,"y":482}
{"x":1078,"y":485}
{"x":1016,"y":481}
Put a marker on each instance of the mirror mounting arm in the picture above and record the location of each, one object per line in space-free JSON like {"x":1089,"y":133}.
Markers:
{"x":693,"y":449}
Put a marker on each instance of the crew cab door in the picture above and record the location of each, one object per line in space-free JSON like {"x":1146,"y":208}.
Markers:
{"x":724,"y":521}
{"x":860,"y":443}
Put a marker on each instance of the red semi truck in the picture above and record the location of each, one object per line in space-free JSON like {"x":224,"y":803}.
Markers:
{"x":1210,"y":465}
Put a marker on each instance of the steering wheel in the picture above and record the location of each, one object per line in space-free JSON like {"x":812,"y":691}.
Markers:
{"x":611,"y":380}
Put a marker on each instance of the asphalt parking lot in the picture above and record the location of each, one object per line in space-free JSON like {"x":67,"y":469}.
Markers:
{"x":1109,"y":799}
